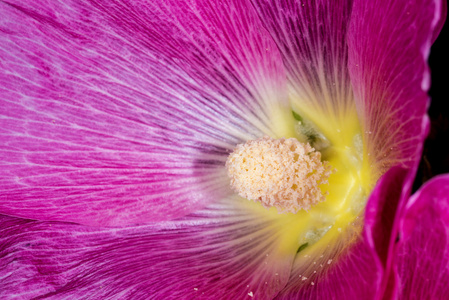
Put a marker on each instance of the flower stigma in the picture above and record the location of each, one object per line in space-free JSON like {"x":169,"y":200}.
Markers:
{"x":281,"y":173}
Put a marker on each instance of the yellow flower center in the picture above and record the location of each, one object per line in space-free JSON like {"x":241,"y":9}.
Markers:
{"x":281,"y":173}
{"x":321,"y":208}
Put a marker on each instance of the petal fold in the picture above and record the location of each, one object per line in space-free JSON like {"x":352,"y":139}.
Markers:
{"x":422,"y":254}
{"x":123,"y":112}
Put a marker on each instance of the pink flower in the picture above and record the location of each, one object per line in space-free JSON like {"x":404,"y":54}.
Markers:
{"x":117,"y":118}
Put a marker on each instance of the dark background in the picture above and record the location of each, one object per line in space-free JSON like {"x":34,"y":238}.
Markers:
{"x":435,"y":159}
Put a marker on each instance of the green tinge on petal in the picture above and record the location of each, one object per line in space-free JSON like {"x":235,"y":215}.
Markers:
{"x":323,"y":233}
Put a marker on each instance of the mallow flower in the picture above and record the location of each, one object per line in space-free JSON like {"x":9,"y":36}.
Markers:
{"x":232,"y":149}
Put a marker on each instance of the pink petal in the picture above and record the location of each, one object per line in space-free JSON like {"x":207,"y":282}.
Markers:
{"x":353,"y":265}
{"x":422,"y":256}
{"x":311,"y":36}
{"x":389,"y":42}
{"x":124,"y":112}
{"x":223,"y":252}
{"x":354,"y":275}
{"x":381,"y":220}
{"x":441,"y":20}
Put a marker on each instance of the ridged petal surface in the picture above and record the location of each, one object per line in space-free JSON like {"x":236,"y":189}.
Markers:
{"x":311,"y":36}
{"x":389,"y":42}
{"x":223,"y":252}
{"x":122,"y":112}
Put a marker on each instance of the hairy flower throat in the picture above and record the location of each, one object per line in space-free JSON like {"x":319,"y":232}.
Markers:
{"x":283,"y":173}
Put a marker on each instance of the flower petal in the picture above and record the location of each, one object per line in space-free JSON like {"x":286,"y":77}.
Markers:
{"x":389,"y":42}
{"x":381,"y":220}
{"x":354,"y":275}
{"x":311,"y":36}
{"x":441,"y":21}
{"x":382,"y":209}
{"x":422,"y":257}
{"x":331,"y":267}
{"x":123,"y":112}
{"x":225,"y":251}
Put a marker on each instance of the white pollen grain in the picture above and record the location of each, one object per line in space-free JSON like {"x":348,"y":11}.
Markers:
{"x":275,"y":171}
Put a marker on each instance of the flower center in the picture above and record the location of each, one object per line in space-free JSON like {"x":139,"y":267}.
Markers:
{"x":283,"y":173}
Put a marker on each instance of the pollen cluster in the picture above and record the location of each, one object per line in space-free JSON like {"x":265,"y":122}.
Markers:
{"x":283,"y":173}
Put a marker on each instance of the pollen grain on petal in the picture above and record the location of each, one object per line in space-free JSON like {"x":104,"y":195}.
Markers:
{"x":283,"y":173}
